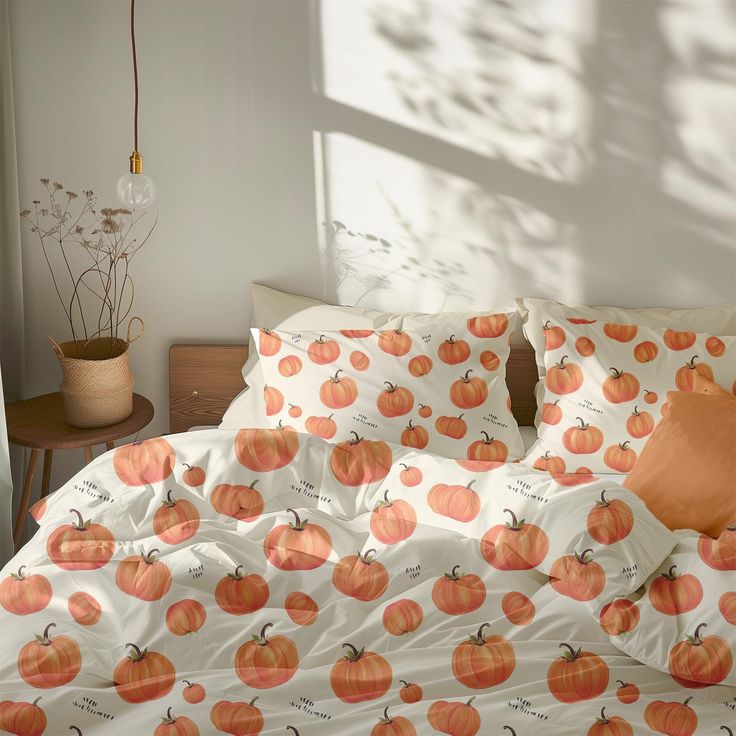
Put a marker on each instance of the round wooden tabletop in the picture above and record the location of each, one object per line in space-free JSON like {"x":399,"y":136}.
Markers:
{"x":39,"y":422}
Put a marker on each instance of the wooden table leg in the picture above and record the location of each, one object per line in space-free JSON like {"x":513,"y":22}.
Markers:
{"x":110,"y":445}
{"x":88,"y":454}
{"x":48,"y":456}
{"x":23,"y":507}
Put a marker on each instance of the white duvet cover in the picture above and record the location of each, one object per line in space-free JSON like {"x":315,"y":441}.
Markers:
{"x":265,"y":582}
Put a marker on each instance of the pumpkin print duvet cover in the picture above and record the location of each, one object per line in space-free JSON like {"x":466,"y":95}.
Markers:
{"x":262,"y":581}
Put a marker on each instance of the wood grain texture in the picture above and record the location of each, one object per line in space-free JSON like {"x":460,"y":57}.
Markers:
{"x":204,"y":379}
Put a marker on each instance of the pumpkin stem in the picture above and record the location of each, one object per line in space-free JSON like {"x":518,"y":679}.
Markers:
{"x":386,"y":718}
{"x":262,"y":637}
{"x":253,"y":483}
{"x":465,"y":378}
{"x":670,"y":574}
{"x":561,"y":364}
{"x":470,"y":483}
{"x":615,"y":372}
{"x":45,"y":637}
{"x":404,"y":465}
{"x":623,"y":684}
{"x":254,"y":700}
{"x":581,"y":557}
{"x":479,"y":635}
{"x":569,"y":654}
{"x":189,"y":684}
{"x":75,"y":728}
{"x":405,"y":683}
{"x":356,"y":440}
{"x":35,"y":702}
{"x":470,"y":701}
{"x":336,"y":378}
{"x":79,"y":526}
{"x":691,"y":364}
{"x":486,"y":440}
{"x":636,"y":411}
{"x":514,"y":521}
{"x":169,"y":718}
{"x":603,"y":715}
{"x":727,"y":730}
{"x":390,"y":387}
{"x":364,"y":557}
{"x":353,"y":655}
{"x":603,"y":501}
{"x":299,"y":526}
{"x":453,"y":572}
{"x":409,"y":426}
{"x":237,"y":574}
{"x":385,"y":498}
{"x":583,"y":425}
{"x":138,"y":654}
{"x":511,"y":730}
{"x":697,"y":641}
{"x":687,"y":700}
{"x":291,"y":728}
{"x":187,"y":465}
{"x":623,"y":445}
{"x":150,"y":556}
{"x":546,"y":325}
{"x":169,"y":501}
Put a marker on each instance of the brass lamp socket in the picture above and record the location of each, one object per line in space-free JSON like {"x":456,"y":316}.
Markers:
{"x":136,"y":163}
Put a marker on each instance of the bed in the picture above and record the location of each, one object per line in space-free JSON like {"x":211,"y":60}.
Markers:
{"x":264,"y":581}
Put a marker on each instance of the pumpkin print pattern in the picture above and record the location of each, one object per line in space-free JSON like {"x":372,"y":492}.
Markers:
{"x":400,"y":591}
{"x":390,"y":387}
{"x":601,"y":405}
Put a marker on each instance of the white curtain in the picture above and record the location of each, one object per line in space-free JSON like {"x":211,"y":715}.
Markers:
{"x":11,"y":284}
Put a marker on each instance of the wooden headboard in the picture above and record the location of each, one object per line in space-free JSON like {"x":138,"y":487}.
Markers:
{"x":204,"y":379}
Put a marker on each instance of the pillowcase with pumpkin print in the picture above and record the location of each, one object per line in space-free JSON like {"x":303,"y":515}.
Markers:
{"x":605,"y":389}
{"x":442,"y":389}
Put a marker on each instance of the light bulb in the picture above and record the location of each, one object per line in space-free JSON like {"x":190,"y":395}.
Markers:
{"x":136,"y":191}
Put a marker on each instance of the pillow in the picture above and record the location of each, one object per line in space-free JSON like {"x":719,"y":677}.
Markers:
{"x":442,"y":389}
{"x":605,"y":384}
{"x":686,"y":474}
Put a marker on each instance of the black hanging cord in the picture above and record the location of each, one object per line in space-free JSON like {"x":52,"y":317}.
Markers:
{"x":135,"y":71}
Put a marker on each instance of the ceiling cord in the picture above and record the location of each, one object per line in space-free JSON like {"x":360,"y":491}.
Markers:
{"x":135,"y":72}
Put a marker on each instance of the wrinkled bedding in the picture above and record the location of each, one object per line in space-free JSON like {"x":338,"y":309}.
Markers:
{"x":354,"y":588}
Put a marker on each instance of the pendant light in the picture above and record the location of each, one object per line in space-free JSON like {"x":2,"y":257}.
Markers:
{"x":135,"y":190}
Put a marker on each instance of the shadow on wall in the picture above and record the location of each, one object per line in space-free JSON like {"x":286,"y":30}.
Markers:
{"x":480,"y":149}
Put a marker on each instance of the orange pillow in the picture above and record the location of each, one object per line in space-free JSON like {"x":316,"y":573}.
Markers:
{"x":686,"y":473}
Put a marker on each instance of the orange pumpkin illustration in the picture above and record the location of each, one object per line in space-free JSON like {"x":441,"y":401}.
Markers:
{"x":324,"y":427}
{"x":263,"y":450}
{"x":619,"y":616}
{"x":141,"y":576}
{"x":410,"y":476}
{"x":673,"y":594}
{"x":81,"y":545}
{"x":585,"y":347}
{"x":394,"y":400}
{"x":577,"y":576}
{"x":455,"y":719}
{"x":193,"y":476}
{"x":143,"y":676}
{"x":269,"y":343}
{"x":554,"y":336}
{"x":193,"y":692}
{"x":620,"y":457}
{"x":420,"y":365}
{"x":23,"y":594}
{"x":301,"y":608}
{"x":467,"y":393}
{"x":402,"y":617}
{"x":237,"y":718}
{"x":720,"y":554}
{"x":289,"y":366}
{"x":175,"y":521}
{"x":176,"y":726}
{"x":84,"y":608}
{"x":715,"y":347}
{"x":424,"y":411}
{"x":671,"y":718}
{"x":456,"y":593}
{"x":454,"y":427}
{"x":700,"y":661}
{"x":185,"y":617}
{"x":453,"y":351}
{"x":360,"y":675}
{"x":580,"y":476}
{"x":620,"y":387}
{"x":675,"y":340}
{"x":143,"y":463}
{"x":356,"y":334}
{"x":564,"y":378}
{"x":274,"y":400}
{"x":360,"y":576}
{"x":581,"y":321}
{"x":727,"y":606}
{"x":577,"y":675}
{"x":552,"y":464}
{"x":646,"y":351}
{"x":627,"y":692}
{"x":481,"y":662}
{"x":610,"y":521}
{"x":323,"y":351}
{"x":685,"y":376}
{"x":551,"y":413}
{"x":265,"y":663}
{"x":518,"y":608}
{"x":621,"y":333}
{"x":582,"y":440}
{"x":514,"y":545}
{"x":393,"y":726}
{"x":337,"y":393}
{"x":38,"y":509}
{"x":457,"y":502}
{"x":244,"y":503}
{"x":359,"y":360}
{"x":410,"y":692}
{"x":393,"y":521}
{"x":295,"y":411}
{"x":22,"y":718}
{"x":358,"y":462}
{"x":415,"y":436}
{"x":45,"y":662}
{"x":297,"y":545}
{"x":488,"y":449}
{"x":640,"y":423}
{"x":394,"y":342}
{"x":489,"y":360}
{"x":489,"y":325}
{"x":610,"y":726}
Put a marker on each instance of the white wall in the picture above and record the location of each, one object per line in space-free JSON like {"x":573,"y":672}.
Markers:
{"x":578,"y":149}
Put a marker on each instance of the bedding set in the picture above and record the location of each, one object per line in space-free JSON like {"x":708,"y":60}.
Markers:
{"x":364,"y":547}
